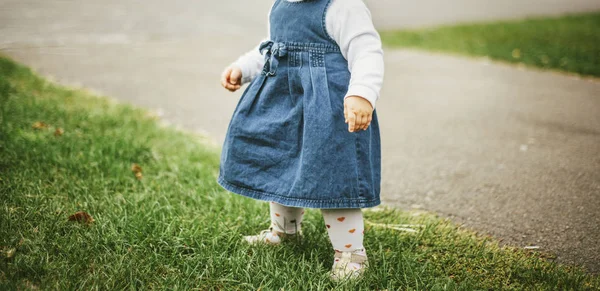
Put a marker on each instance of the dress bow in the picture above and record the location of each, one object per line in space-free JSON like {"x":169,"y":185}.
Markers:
{"x":274,"y":51}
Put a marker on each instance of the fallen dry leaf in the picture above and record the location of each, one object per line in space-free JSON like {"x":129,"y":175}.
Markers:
{"x":10,"y":253}
{"x":516,"y":53}
{"x":30,"y":286}
{"x":39,"y":125}
{"x":59,"y":131}
{"x":81,"y":216}
{"x":137,"y":170}
{"x":545,"y":59}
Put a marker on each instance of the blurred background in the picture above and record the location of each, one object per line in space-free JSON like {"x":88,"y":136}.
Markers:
{"x":495,"y":125}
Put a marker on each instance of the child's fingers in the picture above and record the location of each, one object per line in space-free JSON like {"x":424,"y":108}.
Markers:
{"x":366,"y":121}
{"x":232,"y":88}
{"x":223,"y":83}
{"x":359,"y":122}
{"x":225,"y":73}
{"x":228,"y":86}
{"x":235,"y":77}
{"x":225,"y":77}
{"x":345,"y":113}
{"x":351,"y":121}
{"x":369,"y":121}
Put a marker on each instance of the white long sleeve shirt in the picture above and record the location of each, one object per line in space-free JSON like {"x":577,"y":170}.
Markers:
{"x":349,"y":24}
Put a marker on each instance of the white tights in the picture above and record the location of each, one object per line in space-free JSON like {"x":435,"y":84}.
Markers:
{"x":344,"y":226}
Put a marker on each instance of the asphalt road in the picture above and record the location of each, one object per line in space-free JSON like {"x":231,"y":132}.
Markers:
{"x":510,"y":152}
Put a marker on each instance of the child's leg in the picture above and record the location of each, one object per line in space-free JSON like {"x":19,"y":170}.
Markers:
{"x":286,"y":219}
{"x":345,"y":228}
{"x":346,"y":232}
{"x":285,"y":222}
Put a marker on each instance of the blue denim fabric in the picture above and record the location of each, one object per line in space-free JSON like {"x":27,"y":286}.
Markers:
{"x":287,"y":141}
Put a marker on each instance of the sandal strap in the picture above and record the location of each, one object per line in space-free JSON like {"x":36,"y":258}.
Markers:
{"x":351,"y":258}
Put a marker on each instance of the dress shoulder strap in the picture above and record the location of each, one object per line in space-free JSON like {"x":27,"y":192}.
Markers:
{"x":324,"y":22}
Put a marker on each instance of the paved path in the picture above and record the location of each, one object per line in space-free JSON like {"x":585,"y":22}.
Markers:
{"x":511,"y":152}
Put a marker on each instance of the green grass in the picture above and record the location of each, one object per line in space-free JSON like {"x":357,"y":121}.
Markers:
{"x":176,"y":229}
{"x":570,"y":43}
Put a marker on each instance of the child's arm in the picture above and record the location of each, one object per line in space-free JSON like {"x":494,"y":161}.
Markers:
{"x":243,"y":70}
{"x":349,"y":23}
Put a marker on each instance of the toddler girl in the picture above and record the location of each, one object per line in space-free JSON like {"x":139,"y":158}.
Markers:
{"x":305,"y":133}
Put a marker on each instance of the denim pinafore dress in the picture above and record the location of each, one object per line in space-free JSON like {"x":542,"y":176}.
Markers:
{"x":287,"y":141}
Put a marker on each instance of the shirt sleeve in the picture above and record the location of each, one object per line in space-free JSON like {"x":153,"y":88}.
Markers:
{"x":349,"y":23}
{"x":251,"y":63}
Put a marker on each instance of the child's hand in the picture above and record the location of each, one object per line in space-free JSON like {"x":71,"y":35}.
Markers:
{"x":358,"y":113}
{"x":231,"y":79}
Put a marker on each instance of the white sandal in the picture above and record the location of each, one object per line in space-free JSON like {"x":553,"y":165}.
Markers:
{"x":348,"y":265}
{"x":270,"y":236}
